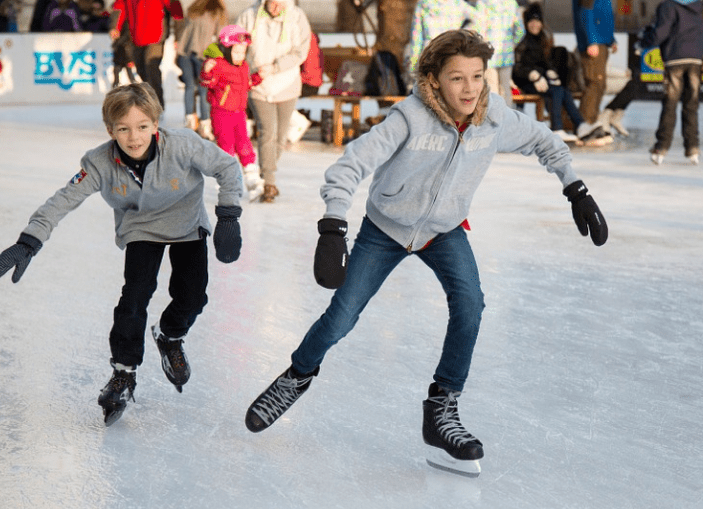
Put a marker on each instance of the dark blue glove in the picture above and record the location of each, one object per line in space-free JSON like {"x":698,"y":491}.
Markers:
{"x":228,"y":235}
{"x":331,"y":254}
{"x":587,"y":215}
{"x":19,"y":256}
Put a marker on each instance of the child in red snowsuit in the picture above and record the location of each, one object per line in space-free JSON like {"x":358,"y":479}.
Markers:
{"x":228,"y":81}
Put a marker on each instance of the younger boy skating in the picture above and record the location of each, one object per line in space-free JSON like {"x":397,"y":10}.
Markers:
{"x":153,"y":179}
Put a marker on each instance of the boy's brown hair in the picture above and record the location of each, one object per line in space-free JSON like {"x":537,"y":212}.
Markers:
{"x":120,"y":100}
{"x":468,"y":43}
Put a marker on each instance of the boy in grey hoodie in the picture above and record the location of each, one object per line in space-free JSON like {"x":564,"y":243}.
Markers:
{"x":427,"y":158}
{"x":153,"y":179}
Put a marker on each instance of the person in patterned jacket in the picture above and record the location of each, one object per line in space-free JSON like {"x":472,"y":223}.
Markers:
{"x":499,"y":23}
{"x":431,"y":18}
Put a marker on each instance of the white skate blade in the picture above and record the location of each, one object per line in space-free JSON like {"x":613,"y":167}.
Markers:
{"x":440,"y":459}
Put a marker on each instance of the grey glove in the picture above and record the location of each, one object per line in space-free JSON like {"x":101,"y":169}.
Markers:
{"x":19,"y":256}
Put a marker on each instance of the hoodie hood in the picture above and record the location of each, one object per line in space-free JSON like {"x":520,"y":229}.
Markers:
{"x":434,"y":100}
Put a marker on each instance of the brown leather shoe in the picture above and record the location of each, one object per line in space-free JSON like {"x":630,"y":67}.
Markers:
{"x":270,"y":192}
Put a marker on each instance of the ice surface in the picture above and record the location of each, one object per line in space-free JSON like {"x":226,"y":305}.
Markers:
{"x":585,"y":386}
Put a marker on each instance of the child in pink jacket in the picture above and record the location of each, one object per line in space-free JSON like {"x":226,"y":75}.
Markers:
{"x":228,"y":81}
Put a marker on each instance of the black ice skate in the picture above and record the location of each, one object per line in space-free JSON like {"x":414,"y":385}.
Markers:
{"x":452,"y":447}
{"x":118,"y":391}
{"x":279,"y":397}
{"x":173,"y":359}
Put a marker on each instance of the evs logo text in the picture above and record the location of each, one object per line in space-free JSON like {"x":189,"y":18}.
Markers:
{"x":64,"y":69}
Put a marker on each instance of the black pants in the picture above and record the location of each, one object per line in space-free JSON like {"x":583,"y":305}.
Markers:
{"x":147,"y":59}
{"x":189,"y":278}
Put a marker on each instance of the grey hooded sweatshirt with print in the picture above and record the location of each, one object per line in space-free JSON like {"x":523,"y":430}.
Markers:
{"x":425,"y":173}
{"x":168,"y":206}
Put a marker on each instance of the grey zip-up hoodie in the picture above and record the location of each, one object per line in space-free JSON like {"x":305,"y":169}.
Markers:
{"x":167,"y":207}
{"x":425,"y":173}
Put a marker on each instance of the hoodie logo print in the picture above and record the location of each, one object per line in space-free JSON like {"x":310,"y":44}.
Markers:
{"x":432,"y":142}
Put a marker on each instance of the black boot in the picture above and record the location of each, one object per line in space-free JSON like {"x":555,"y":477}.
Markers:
{"x":173,"y":359}
{"x":279,"y":397}
{"x":442,"y":428}
{"x":118,"y":391}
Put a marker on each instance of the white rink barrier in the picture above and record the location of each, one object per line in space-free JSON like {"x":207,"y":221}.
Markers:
{"x":67,"y":68}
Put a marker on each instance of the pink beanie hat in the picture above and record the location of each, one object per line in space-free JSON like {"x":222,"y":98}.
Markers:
{"x":234,"y":34}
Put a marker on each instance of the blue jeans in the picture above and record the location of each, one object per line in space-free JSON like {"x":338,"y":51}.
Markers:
{"x":561,"y":98}
{"x":372,"y":259}
{"x":190,"y":67}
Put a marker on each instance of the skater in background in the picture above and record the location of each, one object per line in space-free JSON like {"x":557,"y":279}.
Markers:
{"x":427,"y":158}
{"x":149,"y":26}
{"x":280,"y":39}
{"x":678,"y":32}
{"x":122,"y":51}
{"x":594,"y":27}
{"x":499,"y":23}
{"x":202,"y":23}
{"x":228,"y":83}
{"x":431,"y":18}
{"x":153,"y":178}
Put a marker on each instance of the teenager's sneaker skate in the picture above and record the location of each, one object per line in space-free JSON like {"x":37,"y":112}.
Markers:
{"x":452,"y":447}
{"x":118,"y":391}
{"x":279,"y":397}
{"x":173,"y":359}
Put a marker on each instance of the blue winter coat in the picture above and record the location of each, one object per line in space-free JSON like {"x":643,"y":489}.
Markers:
{"x":593,"y":23}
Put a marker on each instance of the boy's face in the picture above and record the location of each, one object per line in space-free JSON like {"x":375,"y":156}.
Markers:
{"x":239,"y":53}
{"x":460,"y":82}
{"x":133,"y":133}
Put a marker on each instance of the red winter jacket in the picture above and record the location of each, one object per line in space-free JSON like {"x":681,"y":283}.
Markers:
{"x":311,"y":70}
{"x":228,"y":85}
{"x":146,"y":18}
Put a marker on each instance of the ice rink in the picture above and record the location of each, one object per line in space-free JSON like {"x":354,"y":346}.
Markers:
{"x":586,"y":384}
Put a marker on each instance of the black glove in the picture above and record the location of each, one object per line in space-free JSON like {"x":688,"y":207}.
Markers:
{"x":586,"y":213}
{"x":331,"y":254}
{"x":228,"y":235}
{"x":19,"y":256}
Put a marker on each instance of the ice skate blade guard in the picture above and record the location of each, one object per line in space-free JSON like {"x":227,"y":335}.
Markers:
{"x":440,"y":459}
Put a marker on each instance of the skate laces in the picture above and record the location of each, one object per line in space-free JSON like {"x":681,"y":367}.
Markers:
{"x":447,"y":419}
{"x":280,"y":396}
{"x":120,"y":381}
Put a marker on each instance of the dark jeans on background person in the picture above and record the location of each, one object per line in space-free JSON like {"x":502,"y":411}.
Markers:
{"x":147,"y":59}
{"x":561,"y":97}
{"x":623,"y":99}
{"x":681,"y":82}
{"x":189,"y":278}
{"x":372,"y":259}
{"x":190,"y":66}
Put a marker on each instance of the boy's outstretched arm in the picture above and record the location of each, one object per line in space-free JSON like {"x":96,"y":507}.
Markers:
{"x":587,"y":215}
{"x":19,"y":256}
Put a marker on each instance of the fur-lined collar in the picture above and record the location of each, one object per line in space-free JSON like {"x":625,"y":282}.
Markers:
{"x":434,"y":101}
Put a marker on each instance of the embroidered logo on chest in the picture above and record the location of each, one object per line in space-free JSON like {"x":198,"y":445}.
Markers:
{"x":431,"y":142}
